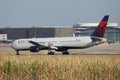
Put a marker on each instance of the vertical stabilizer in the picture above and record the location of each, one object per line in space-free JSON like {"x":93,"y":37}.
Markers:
{"x":101,"y":28}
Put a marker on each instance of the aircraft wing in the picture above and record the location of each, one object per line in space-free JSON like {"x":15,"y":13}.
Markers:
{"x":43,"y":44}
{"x":35,"y":43}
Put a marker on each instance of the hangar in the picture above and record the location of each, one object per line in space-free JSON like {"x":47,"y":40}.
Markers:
{"x":37,"y":32}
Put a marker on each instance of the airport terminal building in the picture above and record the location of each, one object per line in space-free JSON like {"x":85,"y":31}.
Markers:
{"x":84,"y":29}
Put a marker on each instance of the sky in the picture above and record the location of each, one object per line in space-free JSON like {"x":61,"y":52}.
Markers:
{"x":28,"y":13}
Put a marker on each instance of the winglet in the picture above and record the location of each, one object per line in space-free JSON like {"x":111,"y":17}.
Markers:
{"x":100,"y":30}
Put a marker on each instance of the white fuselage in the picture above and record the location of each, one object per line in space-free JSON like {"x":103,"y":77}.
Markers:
{"x":76,"y":42}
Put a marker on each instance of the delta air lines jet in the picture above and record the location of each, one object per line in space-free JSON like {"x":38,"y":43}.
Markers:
{"x":62,"y":44}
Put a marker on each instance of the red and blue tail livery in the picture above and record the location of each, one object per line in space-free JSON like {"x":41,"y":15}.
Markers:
{"x":100,"y":30}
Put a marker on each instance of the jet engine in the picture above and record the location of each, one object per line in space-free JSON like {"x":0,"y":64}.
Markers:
{"x":34,"y":49}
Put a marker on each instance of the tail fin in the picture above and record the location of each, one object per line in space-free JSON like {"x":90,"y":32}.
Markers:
{"x":100,"y":30}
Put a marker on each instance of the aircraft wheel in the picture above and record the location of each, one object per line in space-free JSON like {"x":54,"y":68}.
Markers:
{"x":50,"y":53}
{"x":65,"y":53}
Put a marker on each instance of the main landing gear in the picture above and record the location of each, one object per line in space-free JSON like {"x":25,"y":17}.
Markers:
{"x":65,"y":53}
{"x":50,"y":53}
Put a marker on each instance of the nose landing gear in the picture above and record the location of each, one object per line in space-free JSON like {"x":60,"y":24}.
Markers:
{"x":17,"y":52}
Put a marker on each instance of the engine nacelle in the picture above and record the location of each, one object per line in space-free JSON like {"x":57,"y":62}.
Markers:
{"x":61,"y":49}
{"x":34,"y":49}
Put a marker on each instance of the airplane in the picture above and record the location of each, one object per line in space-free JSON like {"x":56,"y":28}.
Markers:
{"x":62,"y":44}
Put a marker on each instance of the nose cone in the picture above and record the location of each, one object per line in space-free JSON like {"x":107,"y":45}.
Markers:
{"x":14,"y":44}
